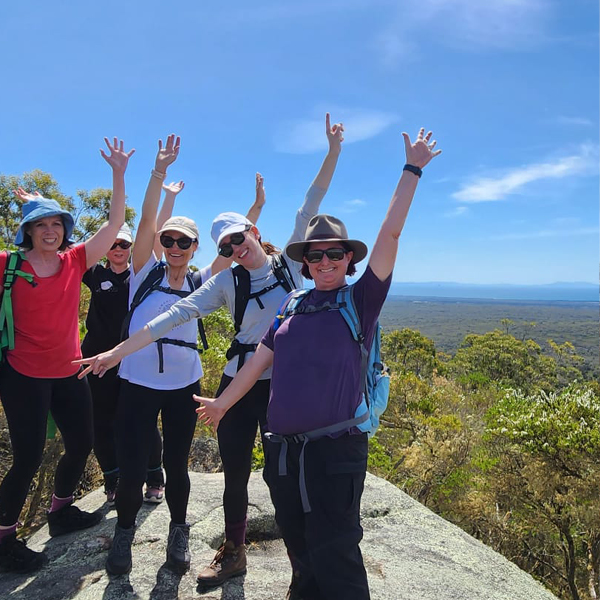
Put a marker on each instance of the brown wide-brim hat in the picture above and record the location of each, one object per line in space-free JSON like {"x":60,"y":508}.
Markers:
{"x":325,"y":228}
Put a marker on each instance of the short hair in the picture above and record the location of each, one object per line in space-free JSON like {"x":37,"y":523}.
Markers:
{"x":351,"y":270}
{"x":27,"y":243}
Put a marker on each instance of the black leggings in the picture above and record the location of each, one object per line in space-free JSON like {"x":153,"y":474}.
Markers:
{"x":236,"y":433}
{"x":137,"y":413}
{"x":26,"y":402}
{"x":105,"y":396}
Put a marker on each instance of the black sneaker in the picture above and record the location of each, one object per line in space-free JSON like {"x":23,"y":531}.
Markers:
{"x":70,"y":518}
{"x":178,"y":549}
{"x":119,"y":556}
{"x":16,"y":557}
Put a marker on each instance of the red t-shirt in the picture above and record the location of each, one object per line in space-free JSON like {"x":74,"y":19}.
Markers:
{"x":46,"y":318}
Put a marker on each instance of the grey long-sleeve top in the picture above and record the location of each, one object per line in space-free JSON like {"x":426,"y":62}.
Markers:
{"x":220,"y":291}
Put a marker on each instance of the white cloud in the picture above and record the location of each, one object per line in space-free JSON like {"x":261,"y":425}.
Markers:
{"x":351,"y":206}
{"x":578,"y":121}
{"x":489,"y":189}
{"x":470,"y":24}
{"x":546,"y":233}
{"x":303,"y":136}
{"x":457,"y":212}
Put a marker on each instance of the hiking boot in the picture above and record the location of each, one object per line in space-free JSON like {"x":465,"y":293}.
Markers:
{"x":69,"y":518}
{"x":229,"y":561}
{"x":154,"y":494}
{"x":178,"y":549}
{"x":16,"y":557}
{"x":118,"y":561}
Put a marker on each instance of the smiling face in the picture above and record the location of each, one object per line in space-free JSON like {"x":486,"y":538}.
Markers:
{"x":47,"y":233}
{"x":119,"y":257}
{"x":249,"y":253}
{"x":328,"y":274}
{"x":175,"y":256}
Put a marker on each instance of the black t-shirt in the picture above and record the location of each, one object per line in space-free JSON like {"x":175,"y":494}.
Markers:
{"x":108,"y":307}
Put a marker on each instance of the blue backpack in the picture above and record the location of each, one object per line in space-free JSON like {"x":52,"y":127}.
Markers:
{"x":375,"y":375}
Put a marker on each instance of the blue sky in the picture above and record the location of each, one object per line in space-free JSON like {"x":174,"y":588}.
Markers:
{"x":509,"y":87}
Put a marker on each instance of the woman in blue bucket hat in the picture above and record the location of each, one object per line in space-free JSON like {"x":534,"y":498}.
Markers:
{"x":38,"y":376}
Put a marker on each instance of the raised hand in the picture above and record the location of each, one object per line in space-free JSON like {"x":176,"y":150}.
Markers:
{"x":209,"y":411}
{"x":26,"y":196}
{"x":173,"y":187}
{"x":118,"y":158}
{"x":260,"y":191}
{"x":422,"y":151}
{"x":167,"y":154}
{"x":335,"y":134}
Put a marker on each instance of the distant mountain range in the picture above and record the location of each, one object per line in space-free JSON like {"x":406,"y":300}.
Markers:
{"x":570,"y":292}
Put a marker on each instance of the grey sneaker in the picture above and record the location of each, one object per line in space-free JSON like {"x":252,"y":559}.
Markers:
{"x":178,"y":548}
{"x":119,"y":555}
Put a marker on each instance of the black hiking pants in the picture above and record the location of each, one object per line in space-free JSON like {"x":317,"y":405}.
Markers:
{"x":137,"y":414}
{"x":323,"y":544}
{"x":26,"y":402}
{"x":105,"y":396}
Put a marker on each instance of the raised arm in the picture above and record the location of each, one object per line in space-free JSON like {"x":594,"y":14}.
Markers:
{"x":99,"y":244}
{"x":316,"y":192}
{"x":166,"y":211}
{"x":146,"y":233}
{"x":383,"y":256}
{"x":220,"y":263}
{"x":212,"y":411}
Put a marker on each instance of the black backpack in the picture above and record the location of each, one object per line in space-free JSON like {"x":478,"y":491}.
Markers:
{"x":152,"y":283}
{"x":241,"y":284}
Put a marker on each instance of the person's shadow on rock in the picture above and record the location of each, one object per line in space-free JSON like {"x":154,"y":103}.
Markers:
{"x":232,"y":589}
{"x":167,"y":584}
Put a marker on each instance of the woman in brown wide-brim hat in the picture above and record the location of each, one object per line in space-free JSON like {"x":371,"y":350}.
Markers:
{"x":316,"y":384}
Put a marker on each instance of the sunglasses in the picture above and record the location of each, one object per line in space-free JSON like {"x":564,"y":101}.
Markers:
{"x":226,"y":250}
{"x":315,"y":256}
{"x":166,"y":241}
{"x":123,"y":244}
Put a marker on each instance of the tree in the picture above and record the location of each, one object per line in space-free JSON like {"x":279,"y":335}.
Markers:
{"x":89,"y":211}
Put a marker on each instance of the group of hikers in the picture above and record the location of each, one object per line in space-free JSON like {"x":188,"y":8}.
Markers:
{"x":294,"y":374}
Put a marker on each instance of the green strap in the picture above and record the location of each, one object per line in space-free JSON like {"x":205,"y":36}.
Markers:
{"x":11,"y":272}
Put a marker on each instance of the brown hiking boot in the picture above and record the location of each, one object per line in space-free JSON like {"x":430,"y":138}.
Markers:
{"x":229,"y":561}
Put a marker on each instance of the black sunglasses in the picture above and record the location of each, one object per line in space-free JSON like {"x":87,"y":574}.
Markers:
{"x":123,"y":244}
{"x":315,"y":256}
{"x":226,"y":250}
{"x":166,"y":241}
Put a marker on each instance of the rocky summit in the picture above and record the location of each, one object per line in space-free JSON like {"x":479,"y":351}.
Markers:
{"x":410,"y":554}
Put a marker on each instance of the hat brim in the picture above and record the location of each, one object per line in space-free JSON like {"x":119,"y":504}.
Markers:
{"x":295,"y":250}
{"x":36,"y":215}
{"x":180,"y":229}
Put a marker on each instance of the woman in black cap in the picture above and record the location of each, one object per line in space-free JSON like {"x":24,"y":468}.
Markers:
{"x":38,"y":376}
{"x":315,"y":391}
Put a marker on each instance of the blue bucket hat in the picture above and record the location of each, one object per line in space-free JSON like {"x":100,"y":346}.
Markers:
{"x":40,"y":208}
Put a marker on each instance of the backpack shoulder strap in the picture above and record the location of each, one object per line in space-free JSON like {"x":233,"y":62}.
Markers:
{"x":195,"y":281}
{"x":12,"y":270}
{"x":289,"y":305}
{"x":282,"y":271}
{"x":150,"y":282}
{"x":345,"y":298}
{"x":241,"y":284}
